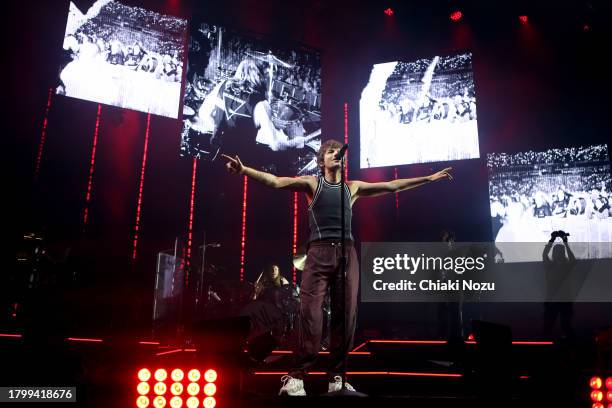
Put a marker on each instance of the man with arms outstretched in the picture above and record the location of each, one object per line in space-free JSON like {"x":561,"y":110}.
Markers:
{"x":322,"y":269}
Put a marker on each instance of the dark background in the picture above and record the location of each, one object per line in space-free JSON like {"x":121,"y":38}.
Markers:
{"x":541,"y":85}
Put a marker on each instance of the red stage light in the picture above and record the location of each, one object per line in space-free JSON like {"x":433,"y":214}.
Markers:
{"x":176,"y":388}
{"x":609,"y":383}
{"x":524,"y":19}
{"x":143,"y":388}
{"x":190,"y":227}
{"x":176,"y":402}
{"x":597,"y":396}
{"x":194,"y":375}
{"x":161,"y":374}
{"x":142,"y":402}
{"x":210,"y":375}
{"x":177,"y":375}
{"x":597,"y":405}
{"x":160,"y":388}
{"x":159,"y":402}
{"x":456,"y":16}
{"x":389,"y":11}
{"x":595,"y":382}
{"x":243,"y":233}
{"x":193,"y":389}
{"x":210,"y":389}
{"x":91,"y":167}
{"x":139,"y":201}
{"x":609,"y":396}
{"x":43,"y":135}
{"x":346,"y":137}
{"x":193,"y":402}
{"x":144,"y":374}
{"x":295,"y":238}
{"x":209,"y":402}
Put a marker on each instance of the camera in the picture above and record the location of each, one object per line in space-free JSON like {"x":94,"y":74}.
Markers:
{"x":558,"y":234}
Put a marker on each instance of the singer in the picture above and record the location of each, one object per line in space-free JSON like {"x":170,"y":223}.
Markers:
{"x":322,"y":269}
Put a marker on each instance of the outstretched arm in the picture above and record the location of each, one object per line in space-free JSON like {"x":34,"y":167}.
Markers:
{"x":364,"y":189}
{"x":303,"y":183}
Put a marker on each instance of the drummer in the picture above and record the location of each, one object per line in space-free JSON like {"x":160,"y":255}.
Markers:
{"x":269,"y":280}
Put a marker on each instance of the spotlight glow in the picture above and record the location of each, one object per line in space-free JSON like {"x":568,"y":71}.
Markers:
{"x":176,"y":388}
{"x":160,"y":388}
{"x":389,"y":11}
{"x":176,"y":402}
{"x":595,"y":383}
{"x":161,"y":374}
{"x":159,"y":402}
{"x":177,"y":375}
{"x":143,"y":388}
{"x":523,"y":19}
{"x":144,"y":374}
{"x":596,"y":396}
{"x":142,"y":402}
{"x":209,"y":402}
{"x":210,"y":375}
{"x":193,"y":389}
{"x":210,"y":389}
{"x":194,"y":375}
{"x":456,"y":16}
{"x":193,"y":402}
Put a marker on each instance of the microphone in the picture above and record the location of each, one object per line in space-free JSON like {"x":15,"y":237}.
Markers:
{"x":341,"y":152}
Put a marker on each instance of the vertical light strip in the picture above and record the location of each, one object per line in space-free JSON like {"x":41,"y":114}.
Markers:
{"x":396,"y":194}
{"x":43,"y":135}
{"x":190,"y":228}
{"x":91,"y":167}
{"x":295,"y":228}
{"x":346,"y":137}
{"x":142,"y":174}
{"x":243,"y":233}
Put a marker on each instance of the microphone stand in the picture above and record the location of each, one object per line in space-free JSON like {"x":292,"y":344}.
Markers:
{"x":343,"y":391}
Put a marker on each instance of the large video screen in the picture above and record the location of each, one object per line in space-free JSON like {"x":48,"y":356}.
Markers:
{"x":419,"y":112}
{"x":535,"y":193}
{"x":246,"y":97}
{"x":123,"y":56}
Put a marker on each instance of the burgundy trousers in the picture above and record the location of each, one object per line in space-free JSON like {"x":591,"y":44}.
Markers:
{"x":323,"y":270}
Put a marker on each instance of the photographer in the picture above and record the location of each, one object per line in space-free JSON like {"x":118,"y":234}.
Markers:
{"x":557,"y":271}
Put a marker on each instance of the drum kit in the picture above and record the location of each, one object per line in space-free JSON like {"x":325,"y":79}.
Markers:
{"x":273,"y":315}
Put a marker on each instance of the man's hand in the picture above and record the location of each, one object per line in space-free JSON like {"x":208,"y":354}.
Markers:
{"x":442,"y":174}
{"x":233,"y":165}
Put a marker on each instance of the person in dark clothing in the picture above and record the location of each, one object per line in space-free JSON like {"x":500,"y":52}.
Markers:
{"x":323,"y":262}
{"x":557,"y":270}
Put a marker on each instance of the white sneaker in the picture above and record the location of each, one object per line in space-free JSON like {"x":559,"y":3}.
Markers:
{"x":292,"y":386}
{"x":336,"y":385}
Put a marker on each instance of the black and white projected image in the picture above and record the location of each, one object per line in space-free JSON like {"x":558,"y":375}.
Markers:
{"x":248,"y":98}
{"x":419,"y":112}
{"x":535,"y":193}
{"x":123,"y":56}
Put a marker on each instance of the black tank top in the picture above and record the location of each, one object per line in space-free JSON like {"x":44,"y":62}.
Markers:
{"x":324,"y":212}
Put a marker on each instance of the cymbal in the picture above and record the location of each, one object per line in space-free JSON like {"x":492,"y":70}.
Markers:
{"x":269,"y":58}
{"x":299,"y":261}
